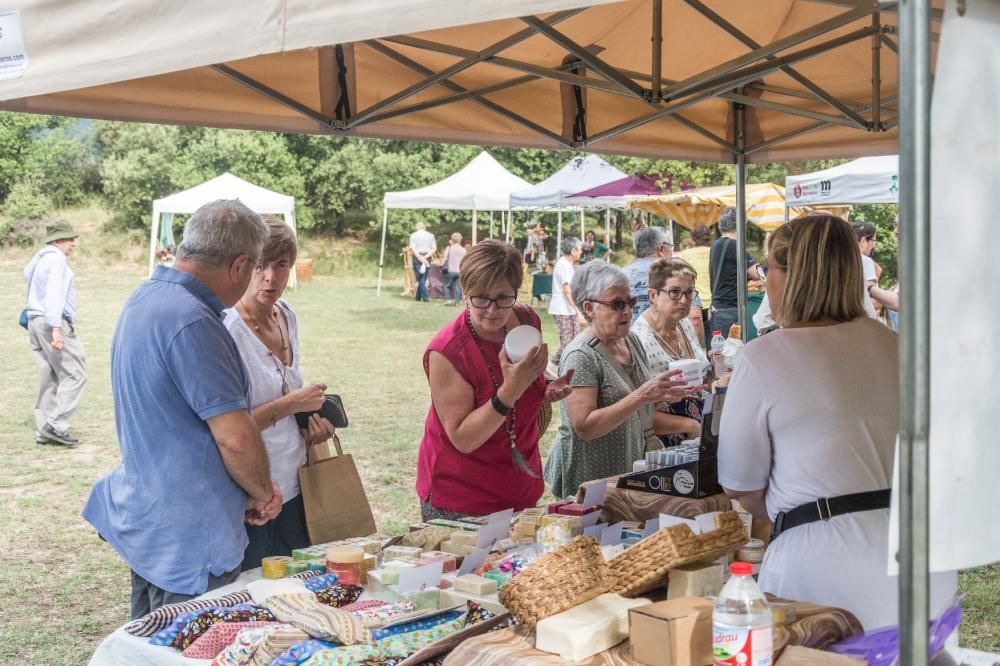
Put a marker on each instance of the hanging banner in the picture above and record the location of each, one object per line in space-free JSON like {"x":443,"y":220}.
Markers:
{"x":13,"y":56}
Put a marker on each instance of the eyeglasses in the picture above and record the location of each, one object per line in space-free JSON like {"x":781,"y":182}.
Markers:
{"x":618,"y":304}
{"x":675,"y":294}
{"x":503,"y":301}
{"x":666,"y":243}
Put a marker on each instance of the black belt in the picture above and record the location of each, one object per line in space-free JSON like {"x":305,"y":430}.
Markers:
{"x":828,"y":507}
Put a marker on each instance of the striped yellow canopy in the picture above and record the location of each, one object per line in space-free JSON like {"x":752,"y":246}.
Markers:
{"x":765,"y":205}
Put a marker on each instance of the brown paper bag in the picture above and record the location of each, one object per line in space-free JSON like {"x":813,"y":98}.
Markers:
{"x":335,"y":500}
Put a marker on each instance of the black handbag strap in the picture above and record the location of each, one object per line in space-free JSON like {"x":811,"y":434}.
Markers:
{"x":826,"y":508}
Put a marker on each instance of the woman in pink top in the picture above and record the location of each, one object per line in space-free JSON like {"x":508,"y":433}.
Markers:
{"x":480,"y":452}
{"x":452,"y":261}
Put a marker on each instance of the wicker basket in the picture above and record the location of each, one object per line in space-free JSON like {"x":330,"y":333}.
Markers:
{"x":557,"y":581}
{"x":645,"y":565}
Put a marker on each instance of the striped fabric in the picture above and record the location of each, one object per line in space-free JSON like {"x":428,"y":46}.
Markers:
{"x":319,"y":621}
{"x":690,"y":208}
{"x":161,"y":618}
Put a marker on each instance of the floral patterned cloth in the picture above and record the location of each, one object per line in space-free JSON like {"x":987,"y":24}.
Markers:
{"x":240,"y":651}
{"x":338,"y":595}
{"x":201,"y":623}
{"x":218,"y":636}
{"x":398,"y":647}
{"x":174,"y":627}
{"x":302,"y":651}
{"x":320,"y":581}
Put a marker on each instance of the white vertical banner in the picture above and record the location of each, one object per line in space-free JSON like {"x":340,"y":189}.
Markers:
{"x":965,"y":330}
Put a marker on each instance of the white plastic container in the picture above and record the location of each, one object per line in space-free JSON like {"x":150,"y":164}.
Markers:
{"x":691,"y":370}
{"x":520,"y":341}
{"x":715,"y":351}
{"x":742,"y":633}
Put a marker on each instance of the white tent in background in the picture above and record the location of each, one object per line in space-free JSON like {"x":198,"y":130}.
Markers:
{"x":555,"y":192}
{"x":227,"y":186}
{"x":869,"y":180}
{"x":482,"y":184}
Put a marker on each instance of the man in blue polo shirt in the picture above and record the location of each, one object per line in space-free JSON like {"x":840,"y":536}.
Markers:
{"x":193,"y":464}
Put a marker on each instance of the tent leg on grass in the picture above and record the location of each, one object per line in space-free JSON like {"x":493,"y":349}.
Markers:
{"x":381,"y":253}
{"x":559,"y":232}
{"x":154,"y":231}
{"x":475,"y":227}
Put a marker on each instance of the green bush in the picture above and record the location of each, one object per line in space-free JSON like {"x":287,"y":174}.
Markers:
{"x":26,"y":201}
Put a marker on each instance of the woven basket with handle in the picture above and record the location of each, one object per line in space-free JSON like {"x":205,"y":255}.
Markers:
{"x":645,"y":566}
{"x":557,"y":581}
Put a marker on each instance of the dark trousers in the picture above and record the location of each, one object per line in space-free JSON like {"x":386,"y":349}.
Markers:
{"x":279,"y":536}
{"x":147,"y":597}
{"x":421,"y":279}
{"x":720,"y":320}
{"x":452,"y":287}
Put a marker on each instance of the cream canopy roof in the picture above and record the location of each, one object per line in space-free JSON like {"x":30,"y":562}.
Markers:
{"x":586,"y":78}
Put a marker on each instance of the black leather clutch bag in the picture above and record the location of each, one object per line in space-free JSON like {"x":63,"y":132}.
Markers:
{"x":332,"y":410}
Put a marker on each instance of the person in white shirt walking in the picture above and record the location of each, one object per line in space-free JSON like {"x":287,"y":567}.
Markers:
{"x":52,"y":310}
{"x":568,"y":318}
{"x":424,"y":246}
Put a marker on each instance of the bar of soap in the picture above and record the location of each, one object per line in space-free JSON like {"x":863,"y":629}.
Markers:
{"x":474,"y":584}
{"x":585,"y":630}
{"x":448,"y":560}
{"x":694,"y":580}
{"x":575,"y":509}
{"x":450,"y":546}
{"x":345,"y":554}
{"x":390,"y":570}
{"x":465,"y":538}
{"x":402,"y":553}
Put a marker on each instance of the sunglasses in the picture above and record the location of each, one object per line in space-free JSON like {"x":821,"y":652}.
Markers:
{"x":618,"y":305}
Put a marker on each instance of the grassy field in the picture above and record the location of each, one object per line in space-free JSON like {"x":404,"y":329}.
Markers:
{"x":62,"y":590}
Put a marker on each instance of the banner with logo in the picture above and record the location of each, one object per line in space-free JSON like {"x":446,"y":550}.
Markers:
{"x":868,"y":180}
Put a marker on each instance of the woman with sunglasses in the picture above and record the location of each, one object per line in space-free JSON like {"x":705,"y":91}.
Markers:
{"x":608,"y":421}
{"x":265,"y":330}
{"x":479,"y":453}
{"x":667,"y":335}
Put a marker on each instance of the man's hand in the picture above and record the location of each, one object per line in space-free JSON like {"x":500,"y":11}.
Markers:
{"x":57,"y":339}
{"x":258,"y":513}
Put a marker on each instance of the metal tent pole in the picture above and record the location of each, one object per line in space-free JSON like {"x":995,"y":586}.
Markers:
{"x":915,"y":274}
{"x":559,"y":231}
{"x":583,"y":225}
{"x":607,"y":229}
{"x":741,"y":219}
{"x":381,"y":254}
{"x":475,"y":227}
{"x":509,"y":230}
{"x":491,"y":224}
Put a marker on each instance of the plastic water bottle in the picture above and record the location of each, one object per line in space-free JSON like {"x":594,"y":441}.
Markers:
{"x":718,"y":362}
{"x":741,"y":622}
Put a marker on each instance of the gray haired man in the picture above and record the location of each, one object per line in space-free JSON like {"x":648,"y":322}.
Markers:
{"x":51,"y":311}
{"x":194,"y":467}
{"x":651,"y":245}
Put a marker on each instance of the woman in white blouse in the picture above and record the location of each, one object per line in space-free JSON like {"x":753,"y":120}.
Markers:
{"x":667,"y":335}
{"x":809,"y":429}
{"x":266,"y":333}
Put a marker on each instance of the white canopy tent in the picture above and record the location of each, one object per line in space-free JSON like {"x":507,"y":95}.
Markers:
{"x":482,"y":184}
{"x":555,"y":192}
{"x":868,"y":180}
{"x":227,"y":186}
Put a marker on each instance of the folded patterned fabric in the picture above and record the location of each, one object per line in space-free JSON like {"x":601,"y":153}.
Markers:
{"x":317,"y":620}
{"x":240,"y":651}
{"x":174,"y":627}
{"x":199,"y":624}
{"x":476,"y":613}
{"x":363,"y":605}
{"x":338,"y":595}
{"x":321,"y":580}
{"x":301,"y":652}
{"x":416,"y":625}
{"x":277,"y":643}
{"x":218,"y":636}
{"x":383,"y":652}
{"x":161,"y":618}
{"x":381,"y":615}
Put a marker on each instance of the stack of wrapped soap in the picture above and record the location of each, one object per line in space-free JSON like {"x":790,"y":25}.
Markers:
{"x":527,"y":524}
{"x":462,"y":542}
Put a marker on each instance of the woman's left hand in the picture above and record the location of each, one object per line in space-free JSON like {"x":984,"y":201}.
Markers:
{"x":559,"y":388}
{"x":319,"y":430}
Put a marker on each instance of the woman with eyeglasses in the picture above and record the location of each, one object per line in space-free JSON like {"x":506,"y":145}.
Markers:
{"x":667,"y":335}
{"x":608,"y":421}
{"x":265,"y":331}
{"x":479,"y":453}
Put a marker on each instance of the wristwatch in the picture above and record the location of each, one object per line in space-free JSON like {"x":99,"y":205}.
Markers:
{"x":501,"y":409}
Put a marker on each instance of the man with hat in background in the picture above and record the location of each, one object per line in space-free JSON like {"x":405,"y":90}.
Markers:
{"x":52,"y":310}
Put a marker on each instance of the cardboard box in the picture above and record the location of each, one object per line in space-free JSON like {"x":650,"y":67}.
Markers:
{"x":795,"y":655}
{"x":677,"y":632}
